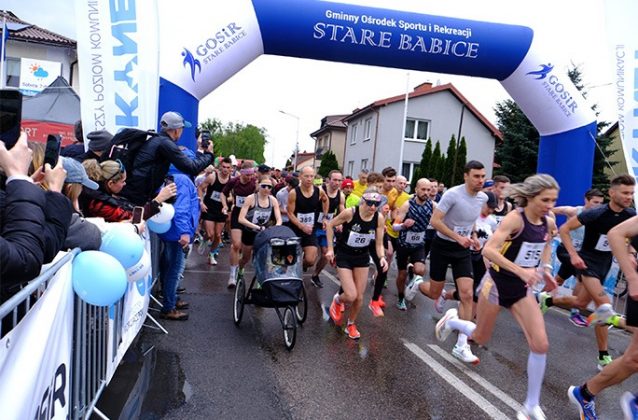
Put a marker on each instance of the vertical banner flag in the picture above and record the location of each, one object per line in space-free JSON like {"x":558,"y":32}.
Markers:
{"x":118,"y":54}
{"x":622,"y":35}
{"x":35,"y":357}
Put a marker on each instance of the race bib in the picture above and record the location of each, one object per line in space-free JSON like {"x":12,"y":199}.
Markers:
{"x":414,"y":238}
{"x":499,"y":219}
{"x":530,"y":254}
{"x":307,"y":219}
{"x":463,"y":230}
{"x":216,"y":196}
{"x":359,"y":240}
{"x":327,"y":217}
{"x":239,"y":201}
{"x":261,"y":217}
{"x":578,"y":244}
{"x":603,"y":244}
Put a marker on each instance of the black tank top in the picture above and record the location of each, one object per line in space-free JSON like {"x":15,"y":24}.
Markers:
{"x":333,"y":205}
{"x":307,"y":209}
{"x":525,"y":249}
{"x":212,"y":198}
{"x":357,"y":234}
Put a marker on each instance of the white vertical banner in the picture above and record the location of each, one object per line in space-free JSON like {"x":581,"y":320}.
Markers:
{"x":35,"y":357}
{"x":118,"y":55}
{"x":622,"y":34}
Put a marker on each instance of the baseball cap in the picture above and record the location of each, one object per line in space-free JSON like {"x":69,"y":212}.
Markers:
{"x":76,"y":174}
{"x":172,"y":120}
{"x":492,"y":202}
{"x":263,"y":168}
{"x":347,"y":183}
{"x":488,"y":183}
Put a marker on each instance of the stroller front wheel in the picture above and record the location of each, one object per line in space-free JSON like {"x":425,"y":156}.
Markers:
{"x":290,"y":327}
{"x":238,"y":301}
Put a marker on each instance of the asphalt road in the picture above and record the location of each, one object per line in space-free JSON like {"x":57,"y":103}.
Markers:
{"x":212,"y":369}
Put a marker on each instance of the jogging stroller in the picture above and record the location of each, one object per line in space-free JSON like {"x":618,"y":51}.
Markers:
{"x":278,"y":283}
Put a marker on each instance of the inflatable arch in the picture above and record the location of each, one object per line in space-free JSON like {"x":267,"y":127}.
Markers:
{"x":219,"y":43}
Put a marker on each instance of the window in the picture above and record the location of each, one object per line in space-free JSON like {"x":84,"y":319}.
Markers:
{"x":367,"y":128}
{"x":350,"y":168}
{"x":12,"y":72}
{"x":416,"y":130}
{"x":353,"y":134}
{"x":364,"y":164}
{"x":407,"y":170}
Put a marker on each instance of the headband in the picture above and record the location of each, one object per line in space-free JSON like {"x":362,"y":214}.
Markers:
{"x":247,"y":171}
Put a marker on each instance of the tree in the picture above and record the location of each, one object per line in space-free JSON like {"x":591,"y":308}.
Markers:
{"x":328,"y":163}
{"x":450,"y":163}
{"x":518,"y":153}
{"x":461,"y":160}
{"x":423,"y":170}
{"x":434,"y":162}
{"x":243,"y":141}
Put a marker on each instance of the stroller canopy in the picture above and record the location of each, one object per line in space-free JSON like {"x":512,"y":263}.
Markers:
{"x":263,"y":238}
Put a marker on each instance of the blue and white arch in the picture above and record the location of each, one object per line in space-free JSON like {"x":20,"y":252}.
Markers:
{"x":221,"y":39}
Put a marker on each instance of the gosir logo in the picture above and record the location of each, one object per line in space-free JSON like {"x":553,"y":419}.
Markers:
{"x":192,"y":62}
{"x":543,"y":72}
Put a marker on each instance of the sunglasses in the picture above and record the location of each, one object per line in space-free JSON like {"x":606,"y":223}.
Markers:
{"x":120,"y":170}
{"x":371,"y":203}
{"x":266,"y":186}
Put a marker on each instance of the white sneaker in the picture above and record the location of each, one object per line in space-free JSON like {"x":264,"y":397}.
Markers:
{"x":601,"y":314}
{"x":535,"y":414}
{"x":464,"y":353}
{"x":232,"y":282}
{"x":412,"y":288}
{"x":441,"y":330}
{"x":211,"y":259}
{"x":439,"y":304}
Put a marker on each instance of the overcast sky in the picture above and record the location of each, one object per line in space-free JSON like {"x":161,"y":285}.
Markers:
{"x":571,"y":30}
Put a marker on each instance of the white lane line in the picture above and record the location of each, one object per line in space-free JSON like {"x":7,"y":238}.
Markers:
{"x":459,"y":385}
{"x":332,"y":278}
{"x":477,"y":378}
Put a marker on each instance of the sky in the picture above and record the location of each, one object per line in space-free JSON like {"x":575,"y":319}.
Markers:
{"x":572,"y":31}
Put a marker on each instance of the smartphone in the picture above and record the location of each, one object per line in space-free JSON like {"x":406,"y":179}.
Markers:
{"x":170,"y":179}
{"x":138,"y":214}
{"x":52,"y":150}
{"x":10,"y":116}
{"x":205,"y":139}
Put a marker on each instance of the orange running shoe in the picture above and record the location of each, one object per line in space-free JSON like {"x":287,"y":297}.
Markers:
{"x":336,"y":311}
{"x":381,"y":302}
{"x":375,"y":307}
{"x":353,"y":332}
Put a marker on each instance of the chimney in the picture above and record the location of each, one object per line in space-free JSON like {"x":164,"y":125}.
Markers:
{"x":423,"y":87}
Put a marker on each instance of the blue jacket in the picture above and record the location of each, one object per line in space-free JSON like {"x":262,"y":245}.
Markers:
{"x":186,"y":210}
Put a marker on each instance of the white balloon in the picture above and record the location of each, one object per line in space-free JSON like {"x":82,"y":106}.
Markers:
{"x":167,"y":211}
{"x":140,"y":269}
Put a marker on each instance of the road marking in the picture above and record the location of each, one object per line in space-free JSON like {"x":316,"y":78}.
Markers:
{"x":477,"y":378}
{"x":455,"y":382}
{"x":332,"y":278}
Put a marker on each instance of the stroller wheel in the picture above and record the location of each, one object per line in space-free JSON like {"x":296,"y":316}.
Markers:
{"x":238,"y":302}
{"x":290,"y":327}
{"x":301,"y":310}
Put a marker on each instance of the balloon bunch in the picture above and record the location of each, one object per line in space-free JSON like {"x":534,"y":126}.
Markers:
{"x":161,"y":222}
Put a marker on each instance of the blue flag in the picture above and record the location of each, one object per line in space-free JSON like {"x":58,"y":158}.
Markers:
{"x":5,"y":38}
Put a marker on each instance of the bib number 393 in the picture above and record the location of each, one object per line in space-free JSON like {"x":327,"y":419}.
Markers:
{"x":530,"y":254}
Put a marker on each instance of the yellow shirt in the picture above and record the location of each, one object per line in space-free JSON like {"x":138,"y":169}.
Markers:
{"x":395,"y":200}
{"x":359,"y":189}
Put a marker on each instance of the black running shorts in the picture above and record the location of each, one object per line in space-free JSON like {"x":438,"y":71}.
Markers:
{"x":234,"y":219}
{"x":445,"y":253}
{"x":413,"y":255}
{"x":350,"y":261}
{"x":631,"y":312}
{"x":598,"y":265}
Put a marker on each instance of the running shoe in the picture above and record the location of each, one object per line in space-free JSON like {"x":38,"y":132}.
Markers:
{"x":587,"y":409}
{"x":353,"y":332}
{"x":232,"y":282}
{"x":412,"y":288}
{"x":604,"y":361}
{"x":316,"y":281}
{"x":202,"y":247}
{"x":464,"y":353}
{"x":439,"y":304}
{"x":381,"y":302}
{"x":211,"y":259}
{"x":375,"y":307}
{"x":629,"y":406}
{"x":336,"y":311}
{"x":577,"y":319}
{"x":601,"y":315}
{"x":441,"y":330}
{"x":401,"y":305}
{"x":542,"y":301}
{"x":535,"y":414}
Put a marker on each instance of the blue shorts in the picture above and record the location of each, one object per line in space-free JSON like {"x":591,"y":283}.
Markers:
{"x":322,"y":239}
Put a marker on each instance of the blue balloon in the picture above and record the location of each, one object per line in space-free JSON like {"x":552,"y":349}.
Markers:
{"x":123,"y":244}
{"x":158,"y":227}
{"x":98,"y":278}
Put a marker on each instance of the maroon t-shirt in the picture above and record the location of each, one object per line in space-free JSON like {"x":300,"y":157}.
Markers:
{"x":240,"y":191}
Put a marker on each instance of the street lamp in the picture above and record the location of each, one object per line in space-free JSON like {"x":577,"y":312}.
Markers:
{"x":297,"y":138}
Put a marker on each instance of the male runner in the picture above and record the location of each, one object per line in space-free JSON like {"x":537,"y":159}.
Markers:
{"x":593,"y":198}
{"x":594,"y":259}
{"x":501,"y":182}
{"x":304,"y":205}
{"x":240,"y":187}
{"x":210,"y":195}
{"x":454,"y":218}
{"x":336,"y":204}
